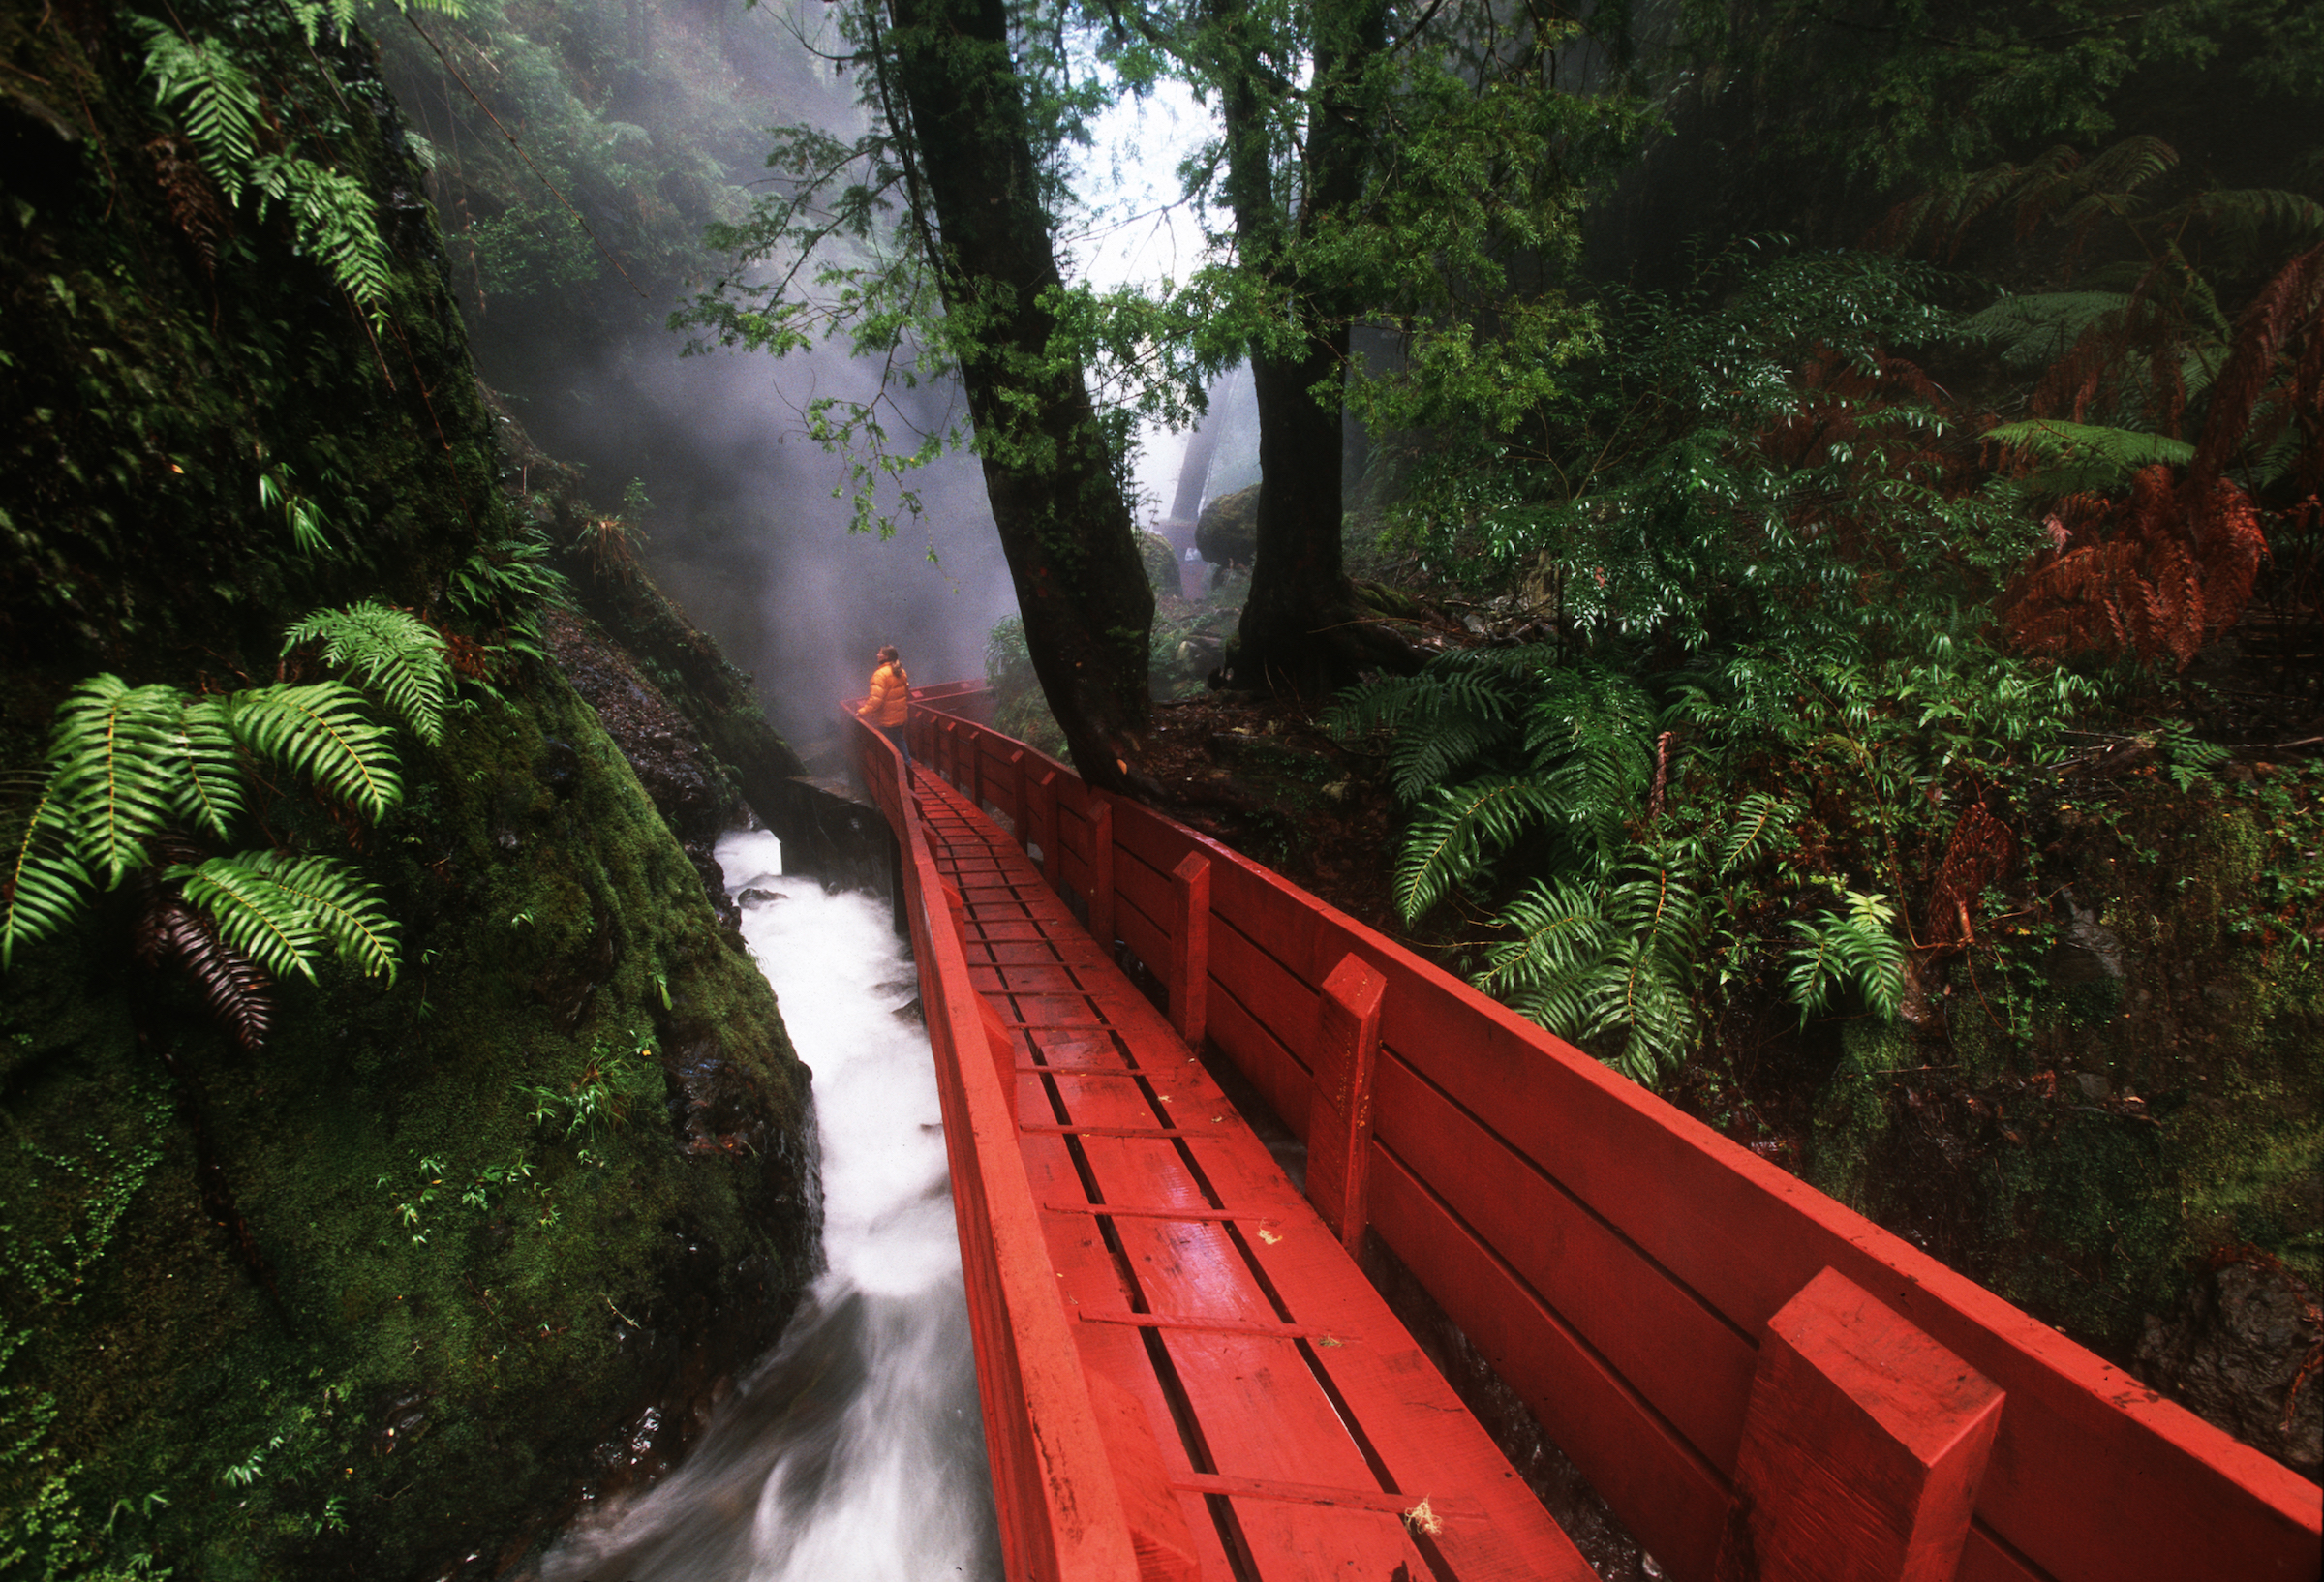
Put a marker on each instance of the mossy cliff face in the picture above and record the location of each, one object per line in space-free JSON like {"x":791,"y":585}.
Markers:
{"x":2118,"y":1119}
{"x":383,"y":1296}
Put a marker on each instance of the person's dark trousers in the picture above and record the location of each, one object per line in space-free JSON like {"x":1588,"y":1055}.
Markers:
{"x":894,"y":734}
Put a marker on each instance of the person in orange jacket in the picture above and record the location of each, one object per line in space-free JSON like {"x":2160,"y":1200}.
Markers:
{"x":890,"y":702}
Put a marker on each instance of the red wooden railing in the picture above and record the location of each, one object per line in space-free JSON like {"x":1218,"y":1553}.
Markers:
{"x":1674,"y":1310}
{"x":1060,"y":1512}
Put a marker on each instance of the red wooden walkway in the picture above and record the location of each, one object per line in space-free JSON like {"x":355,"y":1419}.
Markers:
{"x":1183,"y":1376}
{"x":1299,"y":1429}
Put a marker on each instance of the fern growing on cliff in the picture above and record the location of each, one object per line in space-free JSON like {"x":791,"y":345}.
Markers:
{"x":218,"y":99}
{"x":398,"y":655}
{"x":135,"y":771}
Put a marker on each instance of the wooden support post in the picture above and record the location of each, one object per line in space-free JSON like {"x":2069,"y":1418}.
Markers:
{"x":1863,"y":1448}
{"x":949,"y":751}
{"x":1041,"y":815}
{"x":1101,"y":871}
{"x":1339,"y":1108}
{"x":1017,"y":798}
{"x":1189,"y":980}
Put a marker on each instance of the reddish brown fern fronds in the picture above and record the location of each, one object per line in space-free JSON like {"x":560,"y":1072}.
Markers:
{"x":235,"y":988}
{"x":193,"y":199}
{"x":2161,"y":573}
{"x":2288,"y":308}
{"x":1983,"y":850}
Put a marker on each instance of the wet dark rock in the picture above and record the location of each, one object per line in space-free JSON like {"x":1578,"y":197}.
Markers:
{"x":759,"y":898}
{"x":559,"y":768}
{"x":2245,"y":1350}
{"x":691,"y":787}
{"x":717,"y":1107}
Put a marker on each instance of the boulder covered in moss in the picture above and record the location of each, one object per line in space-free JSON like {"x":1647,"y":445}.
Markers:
{"x":1228,"y":532}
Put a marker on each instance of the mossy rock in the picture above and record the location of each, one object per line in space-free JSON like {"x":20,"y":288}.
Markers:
{"x":1228,"y":532}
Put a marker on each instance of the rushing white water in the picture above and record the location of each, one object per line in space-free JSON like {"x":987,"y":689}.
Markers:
{"x":855,"y":1451}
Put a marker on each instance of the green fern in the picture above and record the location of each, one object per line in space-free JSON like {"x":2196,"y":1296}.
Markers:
{"x":113,"y":746}
{"x":1760,"y":818}
{"x":1462,"y":831}
{"x":2089,"y":456}
{"x":1853,"y":949}
{"x":206,"y":767}
{"x":45,"y":880}
{"x":507,"y":582}
{"x":336,"y":223}
{"x":1605,"y":960}
{"x":133,"y":768}
{"x":332,"y":215}
{"x":392,"y":652}
{"x":282,"y":911}
{"x":319,"y":731}
{"x":215,"y":97}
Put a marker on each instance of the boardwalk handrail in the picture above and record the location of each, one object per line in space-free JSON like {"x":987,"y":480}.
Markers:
{"x":1618,"y":1264}
{"x":1052,"y":1489}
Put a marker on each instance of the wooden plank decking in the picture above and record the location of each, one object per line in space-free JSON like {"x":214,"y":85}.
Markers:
{"x":1236,"y":1355}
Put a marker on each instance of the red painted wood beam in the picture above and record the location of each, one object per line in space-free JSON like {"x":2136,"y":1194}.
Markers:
{"x":1862,"y":1449}
{"x":1339,"y":1112}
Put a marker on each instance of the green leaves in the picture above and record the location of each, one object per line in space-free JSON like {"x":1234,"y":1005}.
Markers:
{"x":113,"y":748}
{"x":215,"y":96}
{"x":319,"y":731}
{"x":1461,"y":831}
{"x":1610,"y":959}
{"x":393,"y":652}
{"x":1854,"y":949}
{"x":282,"y":911}
{"x":137,"y":770}
{"x":45,"y":880}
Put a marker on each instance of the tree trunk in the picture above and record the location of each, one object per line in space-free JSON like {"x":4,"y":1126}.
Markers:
{"x":1302,"y":631}
{"x":1072,"y":547}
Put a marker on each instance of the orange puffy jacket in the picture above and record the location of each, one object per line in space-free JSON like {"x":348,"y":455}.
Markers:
{"x":891,"y":696}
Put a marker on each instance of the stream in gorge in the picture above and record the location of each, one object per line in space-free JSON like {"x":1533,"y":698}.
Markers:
{"x":855,"y":1449}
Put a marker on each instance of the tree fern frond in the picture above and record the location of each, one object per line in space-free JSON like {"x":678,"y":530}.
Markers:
{"x":113,"y":785}
{"x":2035,"y":329}
{"x":2090,"y":456}
{"x":339,"y":903}
{"x":2243,"y":218}
{"x":272,"y":927}
{"x":209,"y":781}
{"x":45,"y":880}
{"x":393,"y":652}
{"x":1759,"y":816}
{"x":1463,"y":828}
{"x":1561,"y":929}
{"x":237,"y":991}
{"x":320,"y":731}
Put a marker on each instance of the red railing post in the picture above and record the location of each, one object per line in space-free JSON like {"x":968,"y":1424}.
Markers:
{"x":1189,"y":979}
{"x":1017,"y":821}
{"x":1101,"y":870}
{"x":1862,"y":1448}
{"x":1041,"y":815}
{"x":1339,"y":1113}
